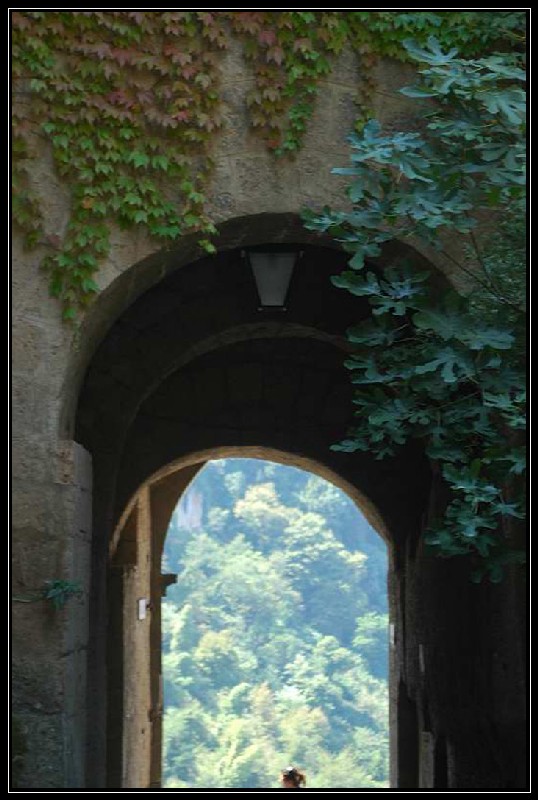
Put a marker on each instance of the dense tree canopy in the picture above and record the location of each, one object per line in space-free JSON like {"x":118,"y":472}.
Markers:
{"x":275,"y":637}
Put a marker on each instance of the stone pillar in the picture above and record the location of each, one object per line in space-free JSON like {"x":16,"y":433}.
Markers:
{"x":51,"y":541}
{"x":77,"y":562}
{"x":464,"y":670}
{"x":137,"y":612}
{"x":164,"y":494}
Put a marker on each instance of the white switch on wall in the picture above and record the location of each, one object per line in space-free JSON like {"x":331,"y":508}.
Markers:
{"x":142,"y":608}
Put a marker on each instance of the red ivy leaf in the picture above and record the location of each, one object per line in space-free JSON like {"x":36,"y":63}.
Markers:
{"x":56,"y":26}
{"x":153,"y":114}
{"x":275,"y":54}
{"x":216,"y":35}
{"x":175,"y":16}
{"x":20,"y":21}
{"x":102,"y":51}
{"x":302,"y":45}
{"x":110,"y":69}
{"x":144,"y":97}
{"x":138,"y":16}
{"x":209,"y":58}
{"x":98,"y":102}
{"x":206,"y":19}
{"x":254,"y":98}
{"x":123,"y":57}
{"x":188,"y":71}
{"x":247,"y":21}
{"x":177,"y":56}
{"x":119,"y":98}
{"x":285,"y":21}
{"x":165,"y":92}
{"x":267,"y":37}
{"x":172,"y":28}
{"x":183,"y":58}
{"x":54,"y":240}
{"x":271,"y":93}
{"x":258,"y":120}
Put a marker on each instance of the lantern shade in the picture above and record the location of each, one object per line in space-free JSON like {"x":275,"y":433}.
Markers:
{"x":272,"y":273}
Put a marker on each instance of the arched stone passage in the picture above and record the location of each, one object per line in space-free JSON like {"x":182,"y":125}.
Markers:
{"x":119,"y":301}
{"x":77,"y":393}
{"x":190,"y":365}
{"x":198,"y":311}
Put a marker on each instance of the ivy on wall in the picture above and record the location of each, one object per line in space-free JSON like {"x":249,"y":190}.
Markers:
{"x":129,"y":103}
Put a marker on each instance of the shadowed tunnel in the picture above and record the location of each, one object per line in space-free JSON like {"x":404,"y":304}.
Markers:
{"x":191,"y":369}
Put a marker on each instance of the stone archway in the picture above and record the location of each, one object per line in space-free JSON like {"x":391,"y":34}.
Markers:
{"x":178,"y":361}
{"x":191,"y":365}
{"x":91,"y":394}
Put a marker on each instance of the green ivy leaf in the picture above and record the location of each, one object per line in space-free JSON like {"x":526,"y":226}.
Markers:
{"x":69,"y":313}
{"x":139,"y":159}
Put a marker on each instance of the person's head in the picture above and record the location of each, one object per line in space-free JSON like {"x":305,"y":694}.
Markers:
{"x":291,"y":778}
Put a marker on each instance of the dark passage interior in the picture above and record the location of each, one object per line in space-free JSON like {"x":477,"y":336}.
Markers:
{"x":190,"y":370}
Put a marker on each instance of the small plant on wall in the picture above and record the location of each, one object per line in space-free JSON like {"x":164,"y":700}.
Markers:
{"x":57,"y":592}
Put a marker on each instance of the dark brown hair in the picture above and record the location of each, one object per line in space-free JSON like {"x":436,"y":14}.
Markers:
{"x":292,"y":774}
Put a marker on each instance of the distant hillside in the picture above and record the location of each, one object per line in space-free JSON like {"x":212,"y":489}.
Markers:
{"x":275,"y":639}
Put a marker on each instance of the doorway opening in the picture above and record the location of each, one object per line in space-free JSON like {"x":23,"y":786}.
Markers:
{"x":179,"y":369}
{"x":275,"y":636}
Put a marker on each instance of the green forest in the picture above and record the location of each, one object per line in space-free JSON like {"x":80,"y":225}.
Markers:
{"x":275,"y":638}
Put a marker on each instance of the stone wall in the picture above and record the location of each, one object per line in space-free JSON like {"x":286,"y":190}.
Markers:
{"x":78,"y":396}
